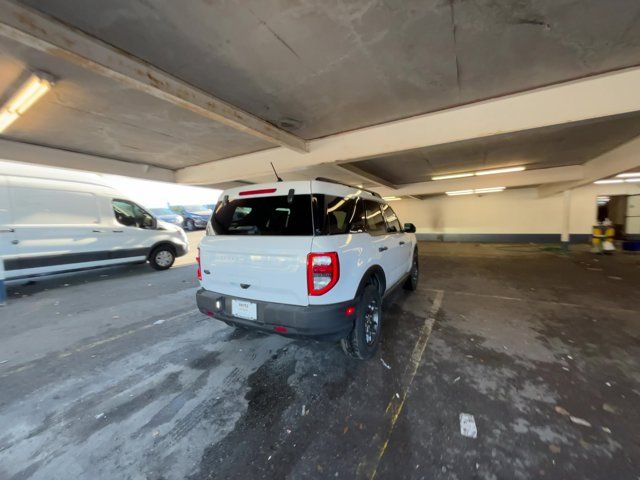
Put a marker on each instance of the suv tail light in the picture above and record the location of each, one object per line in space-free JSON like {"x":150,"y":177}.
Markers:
{"x":323,"y":272}
{"x":199,"y":266}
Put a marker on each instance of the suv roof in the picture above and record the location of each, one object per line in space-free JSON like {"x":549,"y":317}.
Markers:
{"x":319,"y":185}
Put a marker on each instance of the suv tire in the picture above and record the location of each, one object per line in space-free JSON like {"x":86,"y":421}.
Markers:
{"x":189,"y":225}
{"x":411,"y":283}
{"x":162,"y":257}
{"x":362,"y":342}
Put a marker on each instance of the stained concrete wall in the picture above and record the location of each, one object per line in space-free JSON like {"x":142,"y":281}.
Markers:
{"x":513,"y":215}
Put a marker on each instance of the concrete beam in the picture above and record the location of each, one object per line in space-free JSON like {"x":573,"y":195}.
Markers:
{"x":620,"y":159}
{"x":41,"y":32}
{"x":54,"y":157}
{"x":365,"y":176}
{"x":509,"y":180}
{"x":592,"y":97}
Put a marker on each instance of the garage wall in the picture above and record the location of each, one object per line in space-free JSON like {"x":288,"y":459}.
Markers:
{"x":511,"y":216}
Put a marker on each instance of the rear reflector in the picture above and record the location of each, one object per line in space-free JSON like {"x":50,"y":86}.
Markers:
{"x":350,"y":310}
{"x":323,"y":272}
{"x":199,"y":273}
{"x":257,"y":192}
{"x":280,"y":329}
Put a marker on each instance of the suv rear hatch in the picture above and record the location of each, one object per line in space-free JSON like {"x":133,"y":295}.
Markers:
{"x":257,"y":243}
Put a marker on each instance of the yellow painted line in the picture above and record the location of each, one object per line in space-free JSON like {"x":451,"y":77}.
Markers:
{"x":534,"y":300}
{"x":89,"y":346}
{"x":367,"y":469}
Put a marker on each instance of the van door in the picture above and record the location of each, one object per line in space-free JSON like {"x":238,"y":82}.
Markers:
{"x":7,"y":232}
{"x":131,"y":235}
{"x":56,"y":229}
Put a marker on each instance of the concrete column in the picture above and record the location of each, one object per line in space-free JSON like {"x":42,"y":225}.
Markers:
{"x":566,"y":219}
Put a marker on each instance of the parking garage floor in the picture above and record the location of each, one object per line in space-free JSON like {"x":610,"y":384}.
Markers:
{"x":114,"y":374}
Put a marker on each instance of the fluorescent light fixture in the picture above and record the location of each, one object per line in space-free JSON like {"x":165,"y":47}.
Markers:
{"x":628,"y":175}
{"x":452,"y":175}
{"x":489,"y":190}
{"x":604,"y":182}
{"x":479,"y":173}
{"x":632,"y":180}
{"x":476,"y":191}
{"x":391,"y":199}
{"x":459,"y":192}
{"x":500,"y":170}
{"x":28,"y":94}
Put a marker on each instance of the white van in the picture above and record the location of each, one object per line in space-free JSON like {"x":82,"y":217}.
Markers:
{"x":54,"y":221}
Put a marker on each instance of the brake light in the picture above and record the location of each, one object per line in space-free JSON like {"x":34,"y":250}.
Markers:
{"x":257,"y":192}
{"x":323,"y":272}
{"x":199,"y":266}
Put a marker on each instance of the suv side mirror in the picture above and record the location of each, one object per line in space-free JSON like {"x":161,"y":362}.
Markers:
{"x":409,"y":228}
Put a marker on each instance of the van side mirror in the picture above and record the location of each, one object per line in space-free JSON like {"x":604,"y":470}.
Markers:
{"x":409,"y":228}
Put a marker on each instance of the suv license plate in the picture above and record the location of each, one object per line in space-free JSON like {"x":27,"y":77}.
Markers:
{"x":244,"y":309}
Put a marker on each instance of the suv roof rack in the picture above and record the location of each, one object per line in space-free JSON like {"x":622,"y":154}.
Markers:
{"x":330,"y":180}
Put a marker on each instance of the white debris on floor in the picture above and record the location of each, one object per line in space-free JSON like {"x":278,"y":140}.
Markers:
{"x":468,"y":425}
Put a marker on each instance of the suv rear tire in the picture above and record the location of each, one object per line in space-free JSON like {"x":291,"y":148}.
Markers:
{"x":411,"y":283}
{"x":189,"y":225}
{"x":162,"y":257}
{"x":362,"y":342}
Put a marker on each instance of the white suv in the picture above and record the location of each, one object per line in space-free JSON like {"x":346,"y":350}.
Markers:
{"x":305,"y":259}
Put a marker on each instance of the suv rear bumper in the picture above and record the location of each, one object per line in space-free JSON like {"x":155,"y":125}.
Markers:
{"x":322,"y":322}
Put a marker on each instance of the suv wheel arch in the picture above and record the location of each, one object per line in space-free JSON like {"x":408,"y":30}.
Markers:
{"x":374,"y":274}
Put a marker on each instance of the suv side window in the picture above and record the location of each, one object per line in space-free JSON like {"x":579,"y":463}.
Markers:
{"x":393,"y":224}
{"x":131,"y":215}
{"x":375,"y":221}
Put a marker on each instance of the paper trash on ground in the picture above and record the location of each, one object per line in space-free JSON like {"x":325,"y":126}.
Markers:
{"x":468,"y":425}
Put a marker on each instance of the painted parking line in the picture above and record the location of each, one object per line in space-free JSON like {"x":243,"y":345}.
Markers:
{"x":97,"y":343}
{"x":368,"y":468}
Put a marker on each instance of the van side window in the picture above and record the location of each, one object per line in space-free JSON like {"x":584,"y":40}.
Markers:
{"x":393,"y":224}
{"x":375,"y":221}
{"x":43,"y":206}
{"x":131,"y":215}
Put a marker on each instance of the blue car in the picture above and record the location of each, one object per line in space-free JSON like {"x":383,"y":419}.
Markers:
{"x":167,"y":215}
{"x":195,"y":216}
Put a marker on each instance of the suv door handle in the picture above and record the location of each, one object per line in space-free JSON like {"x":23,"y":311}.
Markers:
{"x":97,"y":231}
{"x":118,"y":231}
{"x":382,"y":249}
{"x":8,"y":230}
{"x":401,"y":242}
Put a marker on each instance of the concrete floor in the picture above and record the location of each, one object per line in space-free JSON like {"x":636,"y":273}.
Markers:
{"x":114,"y":374}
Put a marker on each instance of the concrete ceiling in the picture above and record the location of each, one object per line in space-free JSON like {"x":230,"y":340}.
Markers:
{"x":88,"y":113}
{"x":318,"y":67}
{"x":555,"y":146}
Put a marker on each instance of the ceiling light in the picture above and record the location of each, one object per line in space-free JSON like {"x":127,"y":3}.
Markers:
{"x":489,"y":190}
{"x":631,"y":180}
{"x":628,"y":174}
{"x":459,"y":192}
{"x":478,"y":173}
{"x":28,"y":94}
{"x":476,"y":191}
{"x":453,"y":175}
{"x":500,"y":170}
{"x":603,"y":182}
{"x":391,"y":199}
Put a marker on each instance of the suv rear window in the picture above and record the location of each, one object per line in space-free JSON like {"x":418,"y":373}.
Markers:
{"x":335,"y":215}
{"x":264,"y":216}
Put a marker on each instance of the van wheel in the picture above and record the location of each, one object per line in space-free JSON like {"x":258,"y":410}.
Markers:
{"x":411,"y":283}
{"x":162,"y":257}
{"x":189,"y":225}
{"x":362,"y":342}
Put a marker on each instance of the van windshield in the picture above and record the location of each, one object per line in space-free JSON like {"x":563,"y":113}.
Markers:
{"x":264,"y":216}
